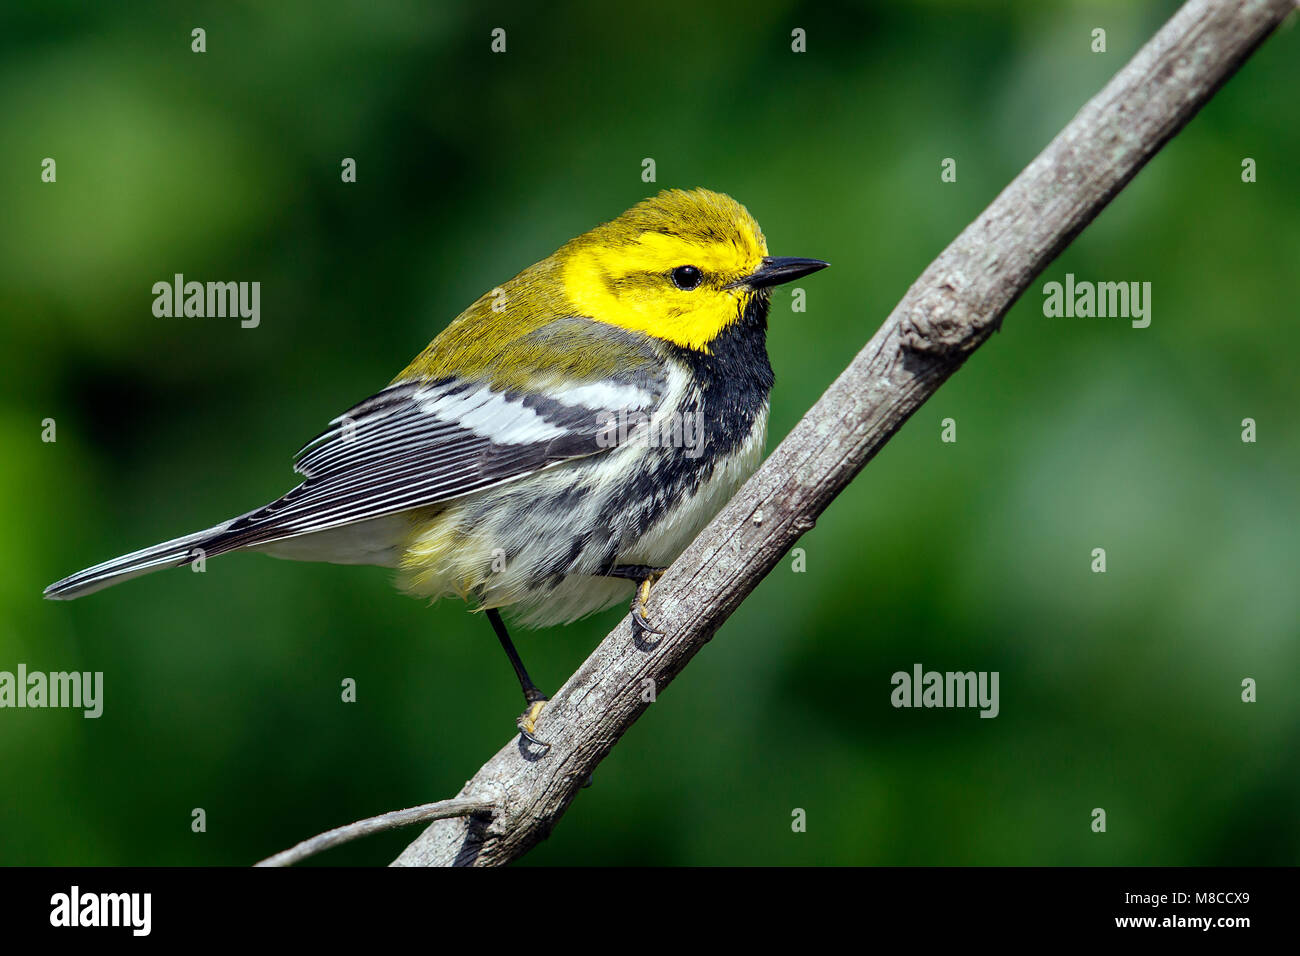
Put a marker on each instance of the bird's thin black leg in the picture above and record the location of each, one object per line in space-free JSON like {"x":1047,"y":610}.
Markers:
{"x":531,"y":693}
{"x":535,"y":699}
{"x":633,"y":572}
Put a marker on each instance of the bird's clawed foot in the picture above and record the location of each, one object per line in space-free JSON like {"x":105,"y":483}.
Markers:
{"x":527,"y":723}
{"x":640,"y":618}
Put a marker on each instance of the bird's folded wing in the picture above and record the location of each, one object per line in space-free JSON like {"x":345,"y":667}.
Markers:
{"x":418,"y":443}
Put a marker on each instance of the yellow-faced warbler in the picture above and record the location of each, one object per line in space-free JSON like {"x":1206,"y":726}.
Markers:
{"x":560,"y":443}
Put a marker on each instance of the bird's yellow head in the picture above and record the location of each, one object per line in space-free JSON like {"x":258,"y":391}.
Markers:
{"x":681,"y":266}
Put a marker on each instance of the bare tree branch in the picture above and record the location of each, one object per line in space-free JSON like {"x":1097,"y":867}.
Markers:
{"x":441,"y":810}
{"x":951,"y":310}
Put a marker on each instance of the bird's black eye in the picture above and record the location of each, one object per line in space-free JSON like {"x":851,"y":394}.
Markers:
{"x":687,"y":278}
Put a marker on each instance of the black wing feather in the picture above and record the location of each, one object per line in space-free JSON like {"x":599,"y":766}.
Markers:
{"x":390,"y":453}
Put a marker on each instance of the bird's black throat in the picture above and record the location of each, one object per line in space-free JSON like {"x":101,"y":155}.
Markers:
{"x":734,"y":377}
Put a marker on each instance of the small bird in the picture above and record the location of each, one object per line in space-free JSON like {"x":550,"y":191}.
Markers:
{"x":557,"y":446}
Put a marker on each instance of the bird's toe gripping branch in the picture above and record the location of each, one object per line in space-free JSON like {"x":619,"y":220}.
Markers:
{"x":527,"y":724}
{"x":640,"y":617}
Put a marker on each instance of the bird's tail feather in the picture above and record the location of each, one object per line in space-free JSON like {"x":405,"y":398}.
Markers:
{"x":169,"y":554}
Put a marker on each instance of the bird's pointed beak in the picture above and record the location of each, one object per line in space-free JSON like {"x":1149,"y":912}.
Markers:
{"x":778,"y":269}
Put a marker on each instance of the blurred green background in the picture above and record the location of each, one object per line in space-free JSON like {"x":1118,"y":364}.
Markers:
{"x":1118,"y":690}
